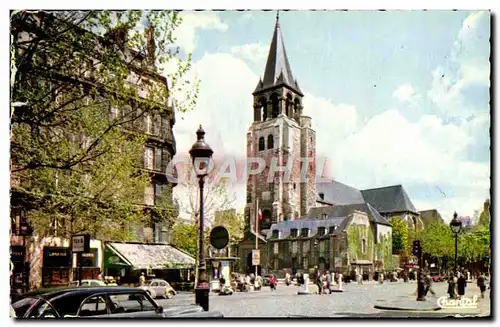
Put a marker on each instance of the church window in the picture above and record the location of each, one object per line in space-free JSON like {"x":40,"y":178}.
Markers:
{"x":363,"y":245}
{"x":275,"y":105}
{"x":276,"y":233}
{"x":263,"y":104}
{"x":294,"y":186}
{"x":322,"y":196}
{"x":262,"y":144}
{"x":288,"y":105}
{"x":270,"y":141}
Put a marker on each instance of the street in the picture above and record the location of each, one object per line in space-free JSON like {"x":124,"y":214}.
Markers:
{"x":355,"y":301}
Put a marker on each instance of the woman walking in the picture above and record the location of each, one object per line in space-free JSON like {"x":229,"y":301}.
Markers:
{"x":461,"y":285}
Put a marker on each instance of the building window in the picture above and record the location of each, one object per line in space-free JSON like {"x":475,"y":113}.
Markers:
{"x":270,"y":141}
{"x":157,"y":125}
{"x":294,"y":186}
{"x":158,"y":158}
{"x":262,"y":144}
{"x":149,"y":124}
{"x":276,"y":247}
{"x":148,"y":158}
{"x":363,"y":245}
{"x":322,"y":196}
{"x":149,"y":195}
{"x":332,"y":229}
{"x":304,"y":232}
{"x":276,"y":233}
{"x":321,"y":231}
{"x":294,"y":247}
{"x":158,"y":190}
{"x":322,"y":246}
{"x":276,"y":264}
{"x":305,"y":263}
{"x":325,"y":216}
{"x":305,"y":247}
{"x":294,"y":232}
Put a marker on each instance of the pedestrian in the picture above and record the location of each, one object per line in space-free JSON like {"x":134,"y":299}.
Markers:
{"x":318,"y":282}
{"x":142,"y":280}
{"x":461,"y":285}
{"x":451,"y":286}
{"x":481,"y":283}
{"x":328,"y":279}
{"x":272,"y":283}
{"x":428,"y":285}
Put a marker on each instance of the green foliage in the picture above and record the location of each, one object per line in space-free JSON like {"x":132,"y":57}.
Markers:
{"x":233,"y":222}
{"x":384,"y":247}
{"x":438,"y":240}
{"x":185,"y":236}
{"x":399,"y":235}
{"x":355,"y":234}
{"x":78,"y":143}
{"x":484,"y":217}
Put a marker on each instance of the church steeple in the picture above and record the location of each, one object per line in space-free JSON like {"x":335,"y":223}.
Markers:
{"x":278,"y":71}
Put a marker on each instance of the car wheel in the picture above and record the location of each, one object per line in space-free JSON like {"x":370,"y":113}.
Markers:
{"x":170,"y":295}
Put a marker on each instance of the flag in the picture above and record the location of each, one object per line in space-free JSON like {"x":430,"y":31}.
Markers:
{"x":260,"y":215}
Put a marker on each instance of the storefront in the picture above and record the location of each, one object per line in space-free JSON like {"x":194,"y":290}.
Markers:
{"x":19,"y":278}
{"x":56,"y":266}
{"x":126,"y":261}
{"x":89,"y":264}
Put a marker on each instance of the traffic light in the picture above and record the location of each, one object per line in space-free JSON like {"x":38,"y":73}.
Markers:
{"x":417,"y":249}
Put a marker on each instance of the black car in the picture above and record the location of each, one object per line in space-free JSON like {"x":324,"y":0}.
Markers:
{"x":100,"y":302}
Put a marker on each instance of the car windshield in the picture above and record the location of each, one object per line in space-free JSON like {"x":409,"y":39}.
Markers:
{"x":21,"y":306}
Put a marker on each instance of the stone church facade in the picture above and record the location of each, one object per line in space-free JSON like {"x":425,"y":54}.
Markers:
{"x":308,"y":224}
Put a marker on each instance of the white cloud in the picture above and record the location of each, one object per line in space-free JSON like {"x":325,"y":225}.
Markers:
{"x":406,"y":93}
{"x":387,"y":149}
{"x":247,"y":16}
{"x":191,"y":21}
{"x":470,"y":67}
{"x":254,"y":52}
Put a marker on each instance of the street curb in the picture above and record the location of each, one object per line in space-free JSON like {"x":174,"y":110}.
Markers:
{"x":396,"y":307}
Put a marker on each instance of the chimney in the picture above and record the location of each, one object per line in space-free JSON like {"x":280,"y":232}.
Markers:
{"x":151,"y":43}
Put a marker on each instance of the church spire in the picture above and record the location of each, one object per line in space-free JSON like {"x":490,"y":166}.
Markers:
{"x":278,"y":71}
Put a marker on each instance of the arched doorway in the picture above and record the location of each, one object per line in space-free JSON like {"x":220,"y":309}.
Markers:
{"x":250,"y":269}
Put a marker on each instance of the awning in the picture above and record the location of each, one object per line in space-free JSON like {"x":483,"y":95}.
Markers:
{"x":361,"y":262}
{"x":148,"y":256}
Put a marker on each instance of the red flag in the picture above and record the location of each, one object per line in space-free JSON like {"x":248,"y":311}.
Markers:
{"x":260,"y":214}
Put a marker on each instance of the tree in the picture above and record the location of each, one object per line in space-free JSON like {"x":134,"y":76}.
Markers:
{"x":215,"y":198}
{"x":185,"y":237}
{"x":484,"y":218}
{"x":87,"y":82}
{"x":399,"y":235}
{"x":232,"y":221}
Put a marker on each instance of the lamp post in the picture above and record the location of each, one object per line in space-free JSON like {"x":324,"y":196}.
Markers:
{"x":201,"y":153}
{"x":316,"y":261}
{"x":456,"y":227}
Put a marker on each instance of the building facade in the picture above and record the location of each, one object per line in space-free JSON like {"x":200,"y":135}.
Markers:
{"x":33,"y":254}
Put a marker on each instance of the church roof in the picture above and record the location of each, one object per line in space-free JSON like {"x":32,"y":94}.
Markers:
{"x":345,"y":210}
{"x":285,"y":227}
{"x":337,"y":193}
{"x":277,"y":71}
{"x":389,"y":199}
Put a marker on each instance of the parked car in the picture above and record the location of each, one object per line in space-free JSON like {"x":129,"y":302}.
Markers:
{"x":159,"y":288}
{"x":89,"y":282}
{"x":102,"y":302}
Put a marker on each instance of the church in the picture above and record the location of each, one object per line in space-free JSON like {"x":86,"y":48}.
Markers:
{"x":305,"y":223}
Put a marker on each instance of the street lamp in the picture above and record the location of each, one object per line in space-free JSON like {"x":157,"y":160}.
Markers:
{"x":456,"y":227}
{"x":201,"y":153}
{"x":315,"y":246}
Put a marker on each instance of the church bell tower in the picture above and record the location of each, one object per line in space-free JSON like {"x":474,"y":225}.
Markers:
{"x":282,"y":136}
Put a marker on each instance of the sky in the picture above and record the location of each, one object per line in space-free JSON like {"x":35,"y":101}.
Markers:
{"x":396,"y":97}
